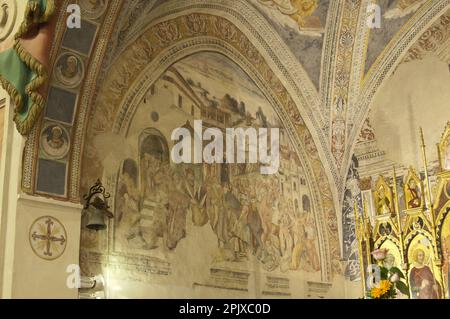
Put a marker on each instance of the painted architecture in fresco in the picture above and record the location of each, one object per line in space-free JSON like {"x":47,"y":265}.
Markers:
{"x":268,"y":219}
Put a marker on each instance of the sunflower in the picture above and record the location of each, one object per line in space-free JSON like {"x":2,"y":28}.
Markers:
{"x":381,"y":290}
{"x":375,"y":293}
{"x":385,"y":286}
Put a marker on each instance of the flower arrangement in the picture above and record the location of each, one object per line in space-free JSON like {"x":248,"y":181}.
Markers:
{"x":380,"y":254}
{"x":383,"y":291}
{"x":392,"y":279}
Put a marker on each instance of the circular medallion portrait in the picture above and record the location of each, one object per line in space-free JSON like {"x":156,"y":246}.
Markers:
{"x":69,"y":70}
{"x":55,"y":141}
{"x":93,"y":9}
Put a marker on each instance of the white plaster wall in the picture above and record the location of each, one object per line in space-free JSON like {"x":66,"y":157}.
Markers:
{"x":34,"y":277}
{"x":417,"y":95}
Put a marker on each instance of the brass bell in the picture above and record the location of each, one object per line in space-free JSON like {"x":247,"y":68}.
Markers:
{"x":96,"y":207}
{"x":97,"y":212}
{"x":95,"y":219}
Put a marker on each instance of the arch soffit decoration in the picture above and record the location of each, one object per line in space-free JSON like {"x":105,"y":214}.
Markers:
{"x":321,"y":191}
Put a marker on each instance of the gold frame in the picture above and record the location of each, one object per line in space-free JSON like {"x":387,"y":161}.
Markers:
{"x":381,"y":183}
{"x":403,"y":228}
{"x":412,"y":176}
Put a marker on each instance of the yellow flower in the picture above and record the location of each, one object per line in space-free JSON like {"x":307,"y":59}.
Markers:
{"x":375,"y":293}
{"x":385,"y":286}
{"x":381,"y":290}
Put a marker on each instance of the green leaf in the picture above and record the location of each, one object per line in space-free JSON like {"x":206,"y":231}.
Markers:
{"x":402,"y":287}
{"x":392,"y":293}
{"x":384,"y":273}
{"x":395,"y":270}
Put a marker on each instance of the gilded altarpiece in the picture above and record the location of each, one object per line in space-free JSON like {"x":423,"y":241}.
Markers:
{"x":415,"y":239}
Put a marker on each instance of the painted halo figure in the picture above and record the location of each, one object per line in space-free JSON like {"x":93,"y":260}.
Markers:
{"x":413,"y":199}
{"x":422,"y":281}
{"x":69,"y":70}
{"x":55,"y":141}
{"x":384,"y":204}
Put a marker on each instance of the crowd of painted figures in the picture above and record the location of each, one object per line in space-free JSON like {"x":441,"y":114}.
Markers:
{"x":249,"y":214}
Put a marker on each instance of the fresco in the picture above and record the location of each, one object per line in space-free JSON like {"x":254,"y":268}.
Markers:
{"x":165,"y":210}
{"x":401,"y":8}
{"x":301,"y":23}
{"x":298,"y":14}
{"x":395,"y":14}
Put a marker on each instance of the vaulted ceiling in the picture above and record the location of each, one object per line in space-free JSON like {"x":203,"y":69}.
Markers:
{"x":316,"y":59}
{"x":333,"y":61}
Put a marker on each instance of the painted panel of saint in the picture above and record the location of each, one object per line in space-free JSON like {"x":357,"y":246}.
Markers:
{"x":445,"y":242}
{"x":423,"y":283}
{"x":413,"y":195}
{"x":413,"y":190}
{"x":393,"y":259}
{"x":383,"y":198}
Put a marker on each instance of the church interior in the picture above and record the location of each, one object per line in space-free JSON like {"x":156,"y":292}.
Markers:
{"x":94,"y":206}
